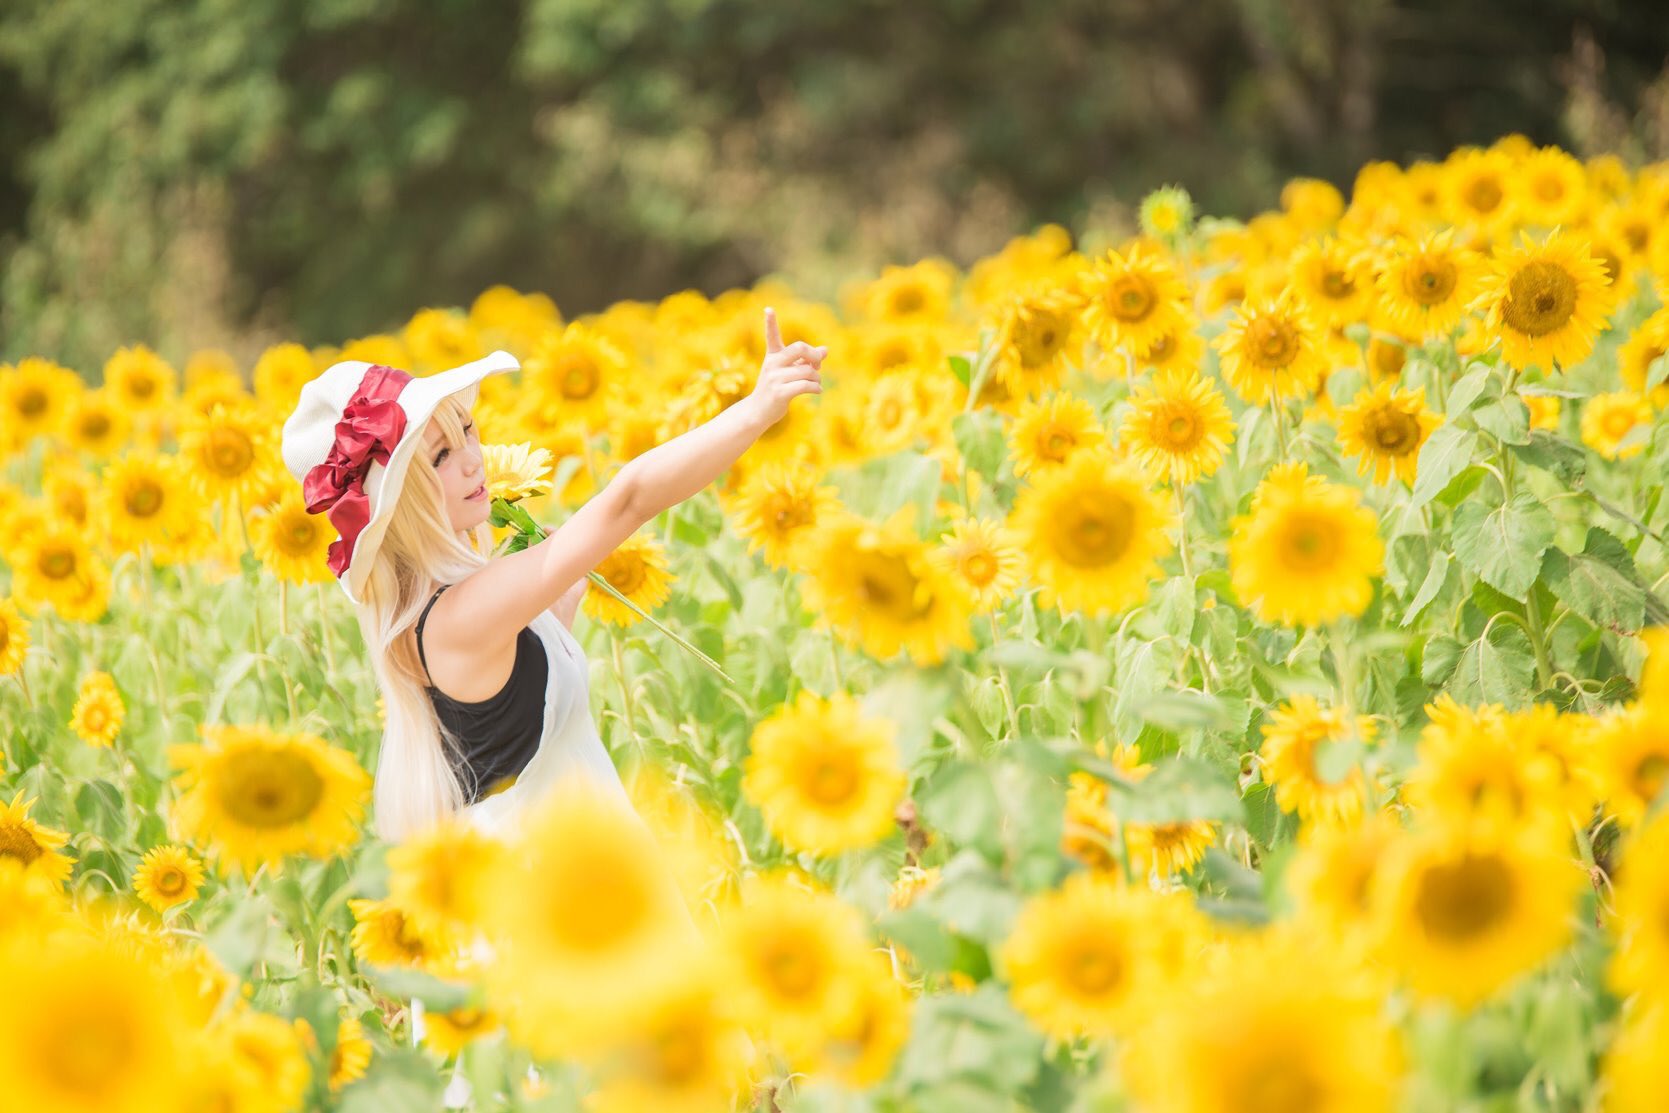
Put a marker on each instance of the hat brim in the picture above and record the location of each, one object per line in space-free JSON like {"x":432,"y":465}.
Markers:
{"x":419,"y":399}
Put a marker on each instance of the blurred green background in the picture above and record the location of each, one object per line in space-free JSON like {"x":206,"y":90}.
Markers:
{"x":196,"y":173}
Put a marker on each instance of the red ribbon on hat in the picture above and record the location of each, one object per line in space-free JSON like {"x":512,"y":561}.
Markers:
{"x":372,"y":423}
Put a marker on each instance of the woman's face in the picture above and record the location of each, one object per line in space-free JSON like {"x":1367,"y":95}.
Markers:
{"x":462,"y":478}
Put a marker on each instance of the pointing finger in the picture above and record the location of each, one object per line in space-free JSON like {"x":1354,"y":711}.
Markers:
{"x":773,"y":335}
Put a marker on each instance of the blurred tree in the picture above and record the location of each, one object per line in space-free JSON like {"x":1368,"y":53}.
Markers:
{"x":228,"y":171}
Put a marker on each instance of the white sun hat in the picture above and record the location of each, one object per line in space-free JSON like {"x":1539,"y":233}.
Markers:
{"x":350,"y":438}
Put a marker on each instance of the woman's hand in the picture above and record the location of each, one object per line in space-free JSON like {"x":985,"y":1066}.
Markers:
{"x":786,"y":372}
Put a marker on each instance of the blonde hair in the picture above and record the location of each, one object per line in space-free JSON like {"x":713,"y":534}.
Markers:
{"x":415,"y":784}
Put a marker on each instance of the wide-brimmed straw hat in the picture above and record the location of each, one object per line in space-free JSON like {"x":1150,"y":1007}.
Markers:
{"x":348,"y":442}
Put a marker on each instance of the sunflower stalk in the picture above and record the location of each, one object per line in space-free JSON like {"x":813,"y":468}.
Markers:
{"x":528,"y":532}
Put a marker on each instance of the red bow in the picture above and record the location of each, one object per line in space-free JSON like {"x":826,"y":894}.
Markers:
{"x":371,"y":426}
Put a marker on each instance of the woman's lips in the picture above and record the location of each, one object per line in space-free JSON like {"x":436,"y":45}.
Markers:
{"x":478,"y":494}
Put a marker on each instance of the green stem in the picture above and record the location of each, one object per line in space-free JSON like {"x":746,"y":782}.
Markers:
{"x":1344,"y":668}
{"x":1181,"y":521}
{"x":625,"y":686}
{"x":1538,"y":638}
{"x":1002,"y":683}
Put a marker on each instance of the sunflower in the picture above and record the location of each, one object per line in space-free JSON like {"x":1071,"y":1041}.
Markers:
{"x":1544,"y":410}
{"x":916,"y":294}
{"x":1547,"y":302}
{"x":1463,"y":908}
{"x":1386,"y":357}
{"x":256,"y":795}
{"x":793,"y":962}
{"x":90,"y":1026}
{"x":14,"y":636}
{"x":826,"y":779}
{"x":1271,"y":350}
{"x":1167,"y":212}
{"x":1629,"y":759}
{"x":986,"y":557}
{"x":380,"y":348}
{"x":1133,"y":298}
{"x":1654,"y":674}
{"x":1178,"y":426}
{"x":34,"y":398}
{"x":1307,"y":553}
{"x":1335,"y":280}
{"x":1312,"y":202}
{"x":26,"y":841}
{"x":439,"y":878}
{"x":70,"y":491}
{"x":1180,"y":349}
{"x":1425,"y":286}
{"x":502,"y":315}
{"x":1521,"y":767}
{"x":1094,"y":532}
{"x":451,"y":1031}
{"x":228,"y":452}
{"x":293,"y":544}
{"x":892,"y":419}
{"x":97,"y":717}
{"x":578,"y":370}
{"x":352,"y":1054}
{"x":144,"y":500}
{"x":1478,"y":190}
{"x":1608,"y":420}
{"x":1332,"y":876}
{"x":383,"y":936}
{"x":268,"y":1051}
{"x":877,"y":586}
{"x":1384,"y":428}
{"x":516,"y":471}
{"x":168,"y":875}
{"x":637,"y":570}
{"x":1293,"y":739}
{"x":1641,"y":958}
{"x":1092,"y":830}
{"x":780,"y":507}
{"x":686,"y":1052}
{"x":1647,"y":344}
{"x":1035,"y":341}
{"x":54,"y":566}
{"x":585,"y":920}
{"x":96,"y":422}
{"x":1048,"y":432}
{"x":1080,"y":959}
{"x":1635,"y":1075}
{"x":1280,"y":1024}
{"x":280,"y":373}
{"x":861,"y":1053}
{"x":1553,"y":189}
{"x":440,"y":338}
{"x":141,"y":381}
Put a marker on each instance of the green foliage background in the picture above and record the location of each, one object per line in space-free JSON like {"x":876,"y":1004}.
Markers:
{"x":227,"y":172}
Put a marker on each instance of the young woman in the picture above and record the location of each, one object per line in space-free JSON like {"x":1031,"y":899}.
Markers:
{"x":483,"y":682}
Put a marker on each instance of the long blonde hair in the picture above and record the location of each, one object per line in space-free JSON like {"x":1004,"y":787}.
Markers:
{"x":415,"y":784}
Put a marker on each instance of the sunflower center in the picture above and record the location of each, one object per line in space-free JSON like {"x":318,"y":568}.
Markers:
{"x":1308,"y":544}
{"x":1271,"y":342}
{"x":789,"y":513}
{"x":1610,"y":261}
{"x":270,"y":788}
{"x":1337,"y":285}
{"x":890,"y":355}
{"x":141,"y":386}
{"x":57,"y":563}
{"x":1549,"y":188}
{"x":1095,"y":531}
{"x":95,"y":425}
{"x":1095,"y":969}
{"x":790,"y":971}
{"x":1648,"y":775}
{"x":1055,"y":443}
{"x":169,"y":882}
{"x":5,"y":635}
{"x":1388,"y":359}
{"x":230,"y":452}
{"x":614,"y":906}
{"x":890,"y":413}
{"x":1281,"y":1085}
{"x":1431,"y":281}
{"x":1540,"y":298}
{"x":1484,"y":194}
{"x":144,"y":499}
{"x":1180,"y":429}
{"x":1131,"y":298}
{"x":888,"y":584}
{"x":17,"y":842}
{"x":624,"y":573}
{"x":678,"y":1054}
{"x":1637,"y":235}
{"x":89,"y":1051}
{"x":1040,"y":339}
{"x":977,"y":568}
{"x":577,"y":377}
{"x":1391,"y":431}
{"x":33,"y":402}
{"x":832,"y":779}
{"x":297,"y":537}
{"x":907,"y":300}
{"x":1459,"y":901}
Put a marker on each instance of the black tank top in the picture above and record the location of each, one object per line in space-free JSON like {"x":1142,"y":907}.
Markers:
{"x":498,"y":736}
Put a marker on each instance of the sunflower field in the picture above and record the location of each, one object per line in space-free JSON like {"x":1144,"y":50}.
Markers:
{"x":1216,"y":669}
